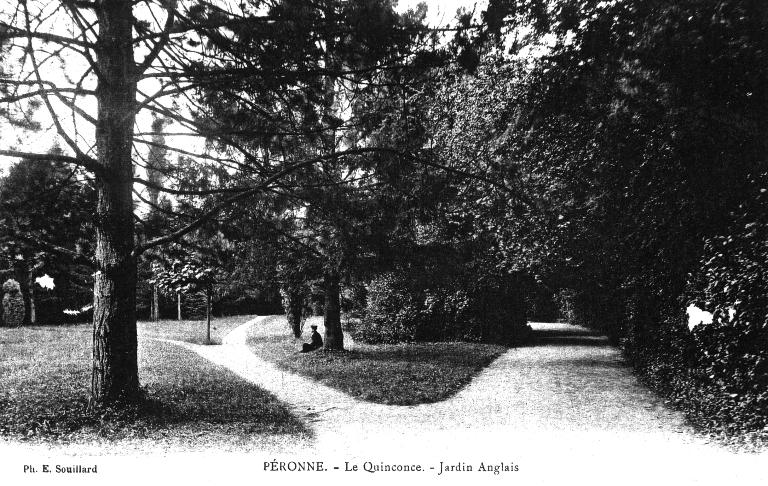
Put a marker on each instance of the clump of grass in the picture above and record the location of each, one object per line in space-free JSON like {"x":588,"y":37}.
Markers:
{"x":44,"y":377}
{"x":400,"y":374}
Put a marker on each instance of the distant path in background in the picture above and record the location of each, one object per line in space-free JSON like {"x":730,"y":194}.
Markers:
{"x":564,"y":407}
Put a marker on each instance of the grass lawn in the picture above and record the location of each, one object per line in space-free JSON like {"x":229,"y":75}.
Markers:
{"x":402,"y":374}
{"x":191,"y":331}
{"x":45,"y":375}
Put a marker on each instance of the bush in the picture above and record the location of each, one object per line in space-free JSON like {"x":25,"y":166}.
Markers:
{"x":403,"y":308}
{"x":354,"y":299}
{"x":730,"y":376}
{"x":716,"y":373}
{"x":11,"y":286}
{"x":392,"y":314}
{"x":730,"y":358}
{"x":13,"y":304}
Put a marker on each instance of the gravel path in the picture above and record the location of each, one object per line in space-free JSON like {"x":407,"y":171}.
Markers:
{"x":565,"y":408}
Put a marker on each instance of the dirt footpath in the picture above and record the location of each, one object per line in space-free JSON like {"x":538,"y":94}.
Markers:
{"x":564,"y":409}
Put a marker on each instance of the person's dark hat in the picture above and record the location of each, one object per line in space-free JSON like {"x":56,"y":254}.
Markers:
{"x":313,"y":326}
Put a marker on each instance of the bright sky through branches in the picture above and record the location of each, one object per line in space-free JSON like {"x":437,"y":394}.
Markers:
{"x":439,"y":13}
{"x":443,"y":12}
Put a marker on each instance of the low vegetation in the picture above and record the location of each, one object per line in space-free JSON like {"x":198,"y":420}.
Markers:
{"x":395,"y":374}
{"x":45,"y":378}
{"x":191,"y":331}
{"x":439,"y":303}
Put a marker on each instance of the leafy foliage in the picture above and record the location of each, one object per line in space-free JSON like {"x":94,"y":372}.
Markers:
{"x":632,"y":142}
{"x":45,"y":225}
{"x":731,"y":359}
{"x":640,"y":123}
{"x":184,"y":277}
{"x":13,"y":304}
{"x":429,"y":307}
{"x":11,"y":286}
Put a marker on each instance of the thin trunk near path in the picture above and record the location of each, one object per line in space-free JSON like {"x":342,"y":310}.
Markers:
{"x":208,"y":313}
{"x":115,"y":370}
{"x":32,"y":307}
{"x":155,"y":304}
{"x":334,"y":337}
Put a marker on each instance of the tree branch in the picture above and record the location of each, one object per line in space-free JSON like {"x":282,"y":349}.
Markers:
{"x":41,"y":92}
{"x":12,"y":32}
{"x":84,"y":162}
{"x":139,"y":249}
{"x":162,"y":41}
{"x":59,"y":250}
{"x":179,"y":192}
{"x":73,"y":144}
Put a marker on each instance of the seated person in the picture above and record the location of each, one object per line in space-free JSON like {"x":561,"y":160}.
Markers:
{"x":317,"y":342}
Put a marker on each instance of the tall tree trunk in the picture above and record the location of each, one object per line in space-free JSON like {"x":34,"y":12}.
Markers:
{"x":178,"y":306}
{"x":334,"y":337}
{"x":115,"y":377}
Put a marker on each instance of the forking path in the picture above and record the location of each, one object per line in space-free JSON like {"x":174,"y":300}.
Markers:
{"x":564,"y":408}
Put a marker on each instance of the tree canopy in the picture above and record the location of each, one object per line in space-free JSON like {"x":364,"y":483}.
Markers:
{"x":611,"y":153}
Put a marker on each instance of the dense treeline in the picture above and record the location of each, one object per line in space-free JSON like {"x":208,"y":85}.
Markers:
{"x":638,"y":136}
{"x":677,"y":124}
{"x":46,"y":226}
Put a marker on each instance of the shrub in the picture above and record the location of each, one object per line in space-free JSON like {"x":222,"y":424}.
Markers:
{"x":406,"y":308}
{"x":730,"y":355}
{"x":392,"y":314}
{"x":354,"y":299}
{"x":13,"y":304}
{"x":730,"y":376}
{"x":11,"y":286}
{"x":716,"y":373}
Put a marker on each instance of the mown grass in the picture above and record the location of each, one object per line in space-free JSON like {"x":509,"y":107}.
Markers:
{"x":188,"y":403}
{"x":193,"y":332}
{"x":402,"y":374}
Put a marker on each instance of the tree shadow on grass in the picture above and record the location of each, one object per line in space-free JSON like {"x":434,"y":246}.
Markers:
{"x":181,"y":391}
{"x":402,"y":374}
